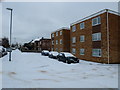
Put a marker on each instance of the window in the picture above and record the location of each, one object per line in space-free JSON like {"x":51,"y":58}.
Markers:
{"x":82,"y":25}
{"x":96,"y":21}
{"x":73,"y":39}
{"x":82,"y":51}
{"x":96,"y":52}
{"x":52,"y":49}
{"x":60,"y":49}
{"x":73,"y":50}
{"x":52,"y":35}
{"x":60,"y":41}
{"x":60,"y":32}
{"x":52,"y":42}
{"x":96,"y":37}
{"x":56,"y":41}
{"x":56,"y":33}
{"x":73,"y":28}
{"x":56,"y":49}
{"x":82,"y":38}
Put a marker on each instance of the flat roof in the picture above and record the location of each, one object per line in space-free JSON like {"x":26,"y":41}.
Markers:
{"x":66,"y":28}
{"x":95,"y":14}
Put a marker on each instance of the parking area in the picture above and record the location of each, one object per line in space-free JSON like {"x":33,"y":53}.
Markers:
{"x":32,"y":70}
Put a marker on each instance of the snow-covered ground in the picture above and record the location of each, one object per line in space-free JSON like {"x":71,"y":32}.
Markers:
{"x":31,"y":70}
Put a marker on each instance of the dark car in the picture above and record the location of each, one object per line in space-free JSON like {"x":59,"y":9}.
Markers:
{"x":3,"y":52}
{"x":45,"y":52}
{"x":53,"y":54}
{"x":67,"y":58}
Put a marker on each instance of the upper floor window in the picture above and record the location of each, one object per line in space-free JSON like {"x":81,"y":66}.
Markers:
{"x":56,"y":33}
{"x":52,"y":35}
{"x":96,"y":37}
{"x":60,"y":32}
{"x":73,"y":28}
{"x":96,"y":52}
{"x":73,"y":39}
{"x":82,"y":38}
{"x":82,"y":25}
{"x":96,"y":21}
{"x":52,"y":42}
{"x":73,"y":50}
{"x":82,"y":51}
{"x":56,"y":41}
{"x":60,"y":41}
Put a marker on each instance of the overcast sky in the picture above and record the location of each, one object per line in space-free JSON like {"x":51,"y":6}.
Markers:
{"x":39,"y":19}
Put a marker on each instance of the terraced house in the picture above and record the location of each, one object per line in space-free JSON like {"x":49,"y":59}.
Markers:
{"x":60,"y":40}
{"x":96,"y":37}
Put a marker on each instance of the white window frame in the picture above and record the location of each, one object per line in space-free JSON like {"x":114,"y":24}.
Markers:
{"x":82,"y":38}
{"x":98,"y":21}
{"x":96,"y":52}
{"x":56,"y":33}
{"x":60,"y":41}
{"x":52,"y":42}
{"x":82,"y":25}
{"x":96,"y":37}
{"x":60,"y":32}
{"x":53,"y":35}
{"x":73,"y":39}
{"x":73,"y":51}
{"x":73,"y":28}
{"x":82,"y":51}
{"x":56,"y":41}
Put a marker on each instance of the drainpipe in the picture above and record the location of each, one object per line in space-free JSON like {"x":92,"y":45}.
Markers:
{"x":108,"y":38}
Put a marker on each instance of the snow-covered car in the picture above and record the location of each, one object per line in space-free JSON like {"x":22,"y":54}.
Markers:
{"x":45,"y":52}
{"x":67,"y":58}
{"x":3,"y":52}
{"x":53,"y":54}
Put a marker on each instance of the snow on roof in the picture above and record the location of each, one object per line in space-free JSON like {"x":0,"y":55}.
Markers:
{"x":37,"y":39}
{"x":68,"y":54}
{"x":45,"y":51}
{"x":54,"y":53}
{"x":66,"y":28}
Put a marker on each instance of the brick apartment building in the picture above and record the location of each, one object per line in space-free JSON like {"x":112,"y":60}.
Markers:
{"x":45,"y":44}
{"x":42,"y":44}
{"x":60,"y":40}
{"x":96,"y":37}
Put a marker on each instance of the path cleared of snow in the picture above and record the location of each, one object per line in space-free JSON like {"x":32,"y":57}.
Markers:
{"x":31,"y":70}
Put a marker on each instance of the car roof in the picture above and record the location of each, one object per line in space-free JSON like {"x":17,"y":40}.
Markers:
{"x":67,"y":54}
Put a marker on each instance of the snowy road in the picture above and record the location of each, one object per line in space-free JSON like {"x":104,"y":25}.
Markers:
{"x":31,"y":70}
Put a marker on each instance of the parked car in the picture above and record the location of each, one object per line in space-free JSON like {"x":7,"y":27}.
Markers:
{"x":45,"y":52}
{"x":3,"y":51}
{"x":67,"y":58}
{"x":53,"y":54}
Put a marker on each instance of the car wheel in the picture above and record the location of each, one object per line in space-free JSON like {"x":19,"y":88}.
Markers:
{"x":68,"y":62}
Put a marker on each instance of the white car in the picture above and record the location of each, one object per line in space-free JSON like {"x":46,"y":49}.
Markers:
{"x":45,"y":52}
{"x":53,"y":54}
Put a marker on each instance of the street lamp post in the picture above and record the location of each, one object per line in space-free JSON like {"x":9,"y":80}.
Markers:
{"x":10,"y":32}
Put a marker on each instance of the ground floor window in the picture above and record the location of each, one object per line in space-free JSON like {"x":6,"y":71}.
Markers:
{"x":61,"y":50}
{"x":56,"y":49}
{"x":96,"y":52}
{"x":52,"y":49}
{"x":73,"y":50}
{"x":82,"y":51}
